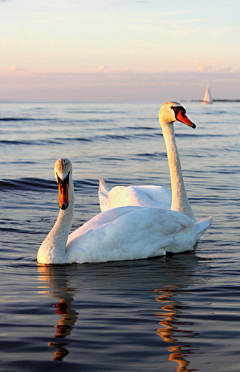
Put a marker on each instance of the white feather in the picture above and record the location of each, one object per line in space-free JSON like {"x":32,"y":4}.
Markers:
{"x":124,"y":233}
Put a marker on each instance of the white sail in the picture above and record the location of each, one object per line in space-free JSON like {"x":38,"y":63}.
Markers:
{"x":207,"y":96}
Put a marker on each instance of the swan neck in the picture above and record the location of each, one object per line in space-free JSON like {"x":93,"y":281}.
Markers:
{"x":53,"y":248}
{"x":180,"y":201}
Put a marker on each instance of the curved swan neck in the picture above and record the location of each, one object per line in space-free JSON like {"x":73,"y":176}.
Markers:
{"x":53,"y":247}
{"x":180,"y":201}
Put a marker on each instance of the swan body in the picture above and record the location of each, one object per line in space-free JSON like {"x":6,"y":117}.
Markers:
{"x":155,"y":196}
{"x":124,"y":233}
{"x":142,"y":196}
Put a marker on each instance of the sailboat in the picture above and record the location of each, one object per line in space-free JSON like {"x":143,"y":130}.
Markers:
{"x":207,"y":96}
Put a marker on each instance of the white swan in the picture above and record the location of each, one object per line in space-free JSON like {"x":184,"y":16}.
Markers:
{"x":125,"y":233}
{"x":155,"y":196}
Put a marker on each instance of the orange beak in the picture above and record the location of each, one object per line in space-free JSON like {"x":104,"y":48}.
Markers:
{"x":181,"y":116}
{"x":63,"y":195}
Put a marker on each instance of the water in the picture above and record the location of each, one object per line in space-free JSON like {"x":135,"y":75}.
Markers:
{"x":179,"y":313}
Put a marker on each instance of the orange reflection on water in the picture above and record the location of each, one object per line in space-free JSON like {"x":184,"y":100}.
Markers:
{"x":171,"y":332}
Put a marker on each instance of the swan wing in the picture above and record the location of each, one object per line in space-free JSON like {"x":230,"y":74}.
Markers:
{"x":201,"y":226}
{"x":187,"y":238}
{"x":103,"y":192}
{"x":131,"y":233}
{"x":142,"y":196}
{"x":157,"y":195}
{"x":99,"y":220}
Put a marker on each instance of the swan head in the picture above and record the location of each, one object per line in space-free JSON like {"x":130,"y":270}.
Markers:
{"x":173,"y":111}
{"x":63,"y":174}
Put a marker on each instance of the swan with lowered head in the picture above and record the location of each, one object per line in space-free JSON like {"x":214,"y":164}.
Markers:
{"x":124,"y":233}
{"x":156,"y":196}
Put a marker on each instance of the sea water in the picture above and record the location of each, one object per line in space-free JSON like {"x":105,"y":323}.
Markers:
{"x":175,"y":313}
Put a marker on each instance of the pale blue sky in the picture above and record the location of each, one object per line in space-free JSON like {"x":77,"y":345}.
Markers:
{"x":118,"y":36}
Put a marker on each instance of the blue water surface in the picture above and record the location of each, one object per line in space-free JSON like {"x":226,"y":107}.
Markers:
{"x":176,"y":313}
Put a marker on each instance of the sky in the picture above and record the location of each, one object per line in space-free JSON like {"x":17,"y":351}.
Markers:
{"x":119,"y":50}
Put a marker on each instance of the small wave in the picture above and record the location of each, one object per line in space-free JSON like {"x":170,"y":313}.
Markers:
{"x":216,"y":112}
{"x":113,"y":136}
{"x":25,"y":119}
{"x":152,"y":155}
{"x":94,"y":120}
{"x":32,"y":142}
{"x":85,"y":183}
{"x":228,"y":171}
{"x":13,"y":230}
{"x":80,"y":139}
{"x":15,"y":119}
{"x":100,"y":111}
{"x":30,"y":184}
{"x":127,"y":137}
{"x":199,"y":135}
{"x":141,"y":128}
{"x":12,"y":142}
{"x":111,"y":158}
{"x":39,"y":184}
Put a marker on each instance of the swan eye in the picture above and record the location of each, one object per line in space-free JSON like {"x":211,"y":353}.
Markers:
{"x":58,"y":178}
{"x":177,"y":109}
{"x":67,"y":178}
{"x":65,"y":181}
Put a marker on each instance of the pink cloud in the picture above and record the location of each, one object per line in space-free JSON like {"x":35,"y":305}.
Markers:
{"x":14,"y":68}
{"x":101,"y":68}
{"x":160,"y":71}
{"x":213,"y":69}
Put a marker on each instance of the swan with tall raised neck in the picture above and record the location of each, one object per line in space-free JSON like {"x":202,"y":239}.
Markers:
{"x":156,"y":196}
{"x":124,"y":233}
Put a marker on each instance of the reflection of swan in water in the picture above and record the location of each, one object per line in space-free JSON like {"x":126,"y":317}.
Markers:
{"x":111,"y":287}
{"x":171,"y":332}
{"x":57,"y":286}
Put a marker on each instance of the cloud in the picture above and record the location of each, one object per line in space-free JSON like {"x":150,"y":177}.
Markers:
{"x":14,"y":68}
{"x":101,"y":68}
{"x":160,"y":71}
{"x":213,"y":69}
{"x":122,"y":70}
{"x":119,"y":71}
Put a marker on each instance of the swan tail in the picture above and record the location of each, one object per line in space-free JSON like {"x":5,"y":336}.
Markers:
{"x":201,"y":226}
{"x":103,"y":191}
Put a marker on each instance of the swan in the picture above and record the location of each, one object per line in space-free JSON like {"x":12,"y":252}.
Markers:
{"x":155,"y":196}
{"x":124,"y":233}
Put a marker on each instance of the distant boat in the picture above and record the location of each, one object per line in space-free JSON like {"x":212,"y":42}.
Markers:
{"x":207,"y":96}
